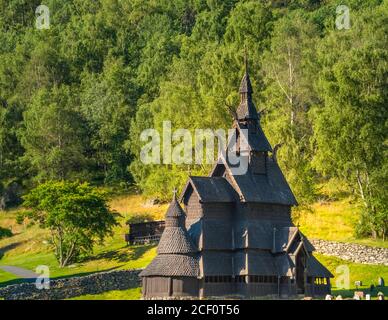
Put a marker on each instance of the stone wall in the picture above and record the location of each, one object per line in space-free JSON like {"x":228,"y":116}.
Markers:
{"x":71,"y":287}
{"x":352,"y":252}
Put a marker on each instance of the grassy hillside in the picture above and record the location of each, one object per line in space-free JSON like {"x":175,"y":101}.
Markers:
{"x":29,"y":246}
{"x":334,"y":217}
{"x":333,"y":220}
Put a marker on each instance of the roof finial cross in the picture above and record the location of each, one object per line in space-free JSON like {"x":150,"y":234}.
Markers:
{"x":175,"y":192}
{"x":246,"y":58}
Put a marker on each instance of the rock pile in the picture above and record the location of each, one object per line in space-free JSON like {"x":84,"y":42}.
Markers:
{"x":352,"y":252}
{"x":72,"y":287}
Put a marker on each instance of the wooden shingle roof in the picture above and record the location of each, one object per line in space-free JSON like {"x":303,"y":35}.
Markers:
{"x":246,"y":109}
{"x":176,"y":251}
{"x":256,"y":140}
{"x":217,"y":263}
{"x":211,"y":189}
{"x":175,"y":240}
{"x":172,"y":265}
{"x":317,"y":269}
{"x":265,"y":188}
{"x":175,"y":209}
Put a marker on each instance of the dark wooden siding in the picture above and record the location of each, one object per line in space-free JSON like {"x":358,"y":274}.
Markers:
{"x":156,"y":286}
{"x":278,"y":213}
{"x":185,"y":287}
{"x":165,"y":286}
{"x":316,"y":290}
{"x":217,"y":210}
{"x":219,"y":289}
{"x":193,"y":208}
{"x":217,"y":225}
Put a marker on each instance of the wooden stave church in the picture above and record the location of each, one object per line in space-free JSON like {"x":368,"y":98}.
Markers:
{"x":236,"y":237}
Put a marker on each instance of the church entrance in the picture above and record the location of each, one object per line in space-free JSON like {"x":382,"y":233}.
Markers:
{"x":300,"y":272}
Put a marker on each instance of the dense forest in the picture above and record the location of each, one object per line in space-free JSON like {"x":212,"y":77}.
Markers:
{"x":74,"y":98}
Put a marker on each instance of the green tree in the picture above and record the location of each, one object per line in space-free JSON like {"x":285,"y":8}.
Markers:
{"x":350,"y":129}
{"x":289,"y":77}
{"x":76,"y":214}
{"x":54,"y":136}
{"x":106,"y":108}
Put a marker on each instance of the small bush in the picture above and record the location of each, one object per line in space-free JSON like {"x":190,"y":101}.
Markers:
{"x":5,"y":233}
{"x":20,"y":216}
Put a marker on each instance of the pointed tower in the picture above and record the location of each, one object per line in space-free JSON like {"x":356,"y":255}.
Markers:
{"x":251,"y":140}
{"x":246,"y":111}
{"x":176,"y":261}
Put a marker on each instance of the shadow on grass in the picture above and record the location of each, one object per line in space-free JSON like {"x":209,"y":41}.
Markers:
{"x":32,"y":280}
{"x":17,"y":281}
{"x":9,"y":247}
{"x":123,"y":254}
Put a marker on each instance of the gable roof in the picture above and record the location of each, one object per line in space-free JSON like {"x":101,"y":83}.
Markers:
{"x":257,"y":141}
{"x":317,"y":269}
{"x":211,"y":189}
{"x":284,"y":237}
{"x":264,"y":188}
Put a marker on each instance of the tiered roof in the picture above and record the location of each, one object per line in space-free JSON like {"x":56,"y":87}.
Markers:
{"x":176,"y":251}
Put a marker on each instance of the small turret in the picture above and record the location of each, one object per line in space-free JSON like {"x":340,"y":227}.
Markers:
{"x":246,"y":110}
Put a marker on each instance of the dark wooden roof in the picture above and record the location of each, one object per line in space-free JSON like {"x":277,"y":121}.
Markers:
{"x":317,"y":269}
{"x":283,"y":237}
{"x":245,"y":85}
{"x":257,"y":141}
{"x":284,"y":265}
{"x":246,"y":109}
{"x":261,"y":188}
{"x":175,"y":209}
{"x":258,"y":232}
{"x":176,"y":240}
{"x":265,"y":188}
{"x":194,"y":231}
{"x":211,"y":189}
{"x":172,"y":265}
{"x":262,"y":263}
{"x":176,"y":251}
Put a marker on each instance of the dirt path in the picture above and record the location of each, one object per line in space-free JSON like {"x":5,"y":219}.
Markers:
{"x":20,"y":272}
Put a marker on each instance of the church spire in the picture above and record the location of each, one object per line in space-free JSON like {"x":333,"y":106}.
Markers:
{"x":246,"y":110}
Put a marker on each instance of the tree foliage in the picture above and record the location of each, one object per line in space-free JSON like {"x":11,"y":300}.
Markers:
{"x":74,"y":98}
{"x":77,"y":216}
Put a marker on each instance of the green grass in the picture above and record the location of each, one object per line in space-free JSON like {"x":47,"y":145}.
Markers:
{"x":107,"y":258}
{"x":366,"y":273}
{"x":29,"y":247}
{"x":334,"y":220}
{"x":130,"y":294}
